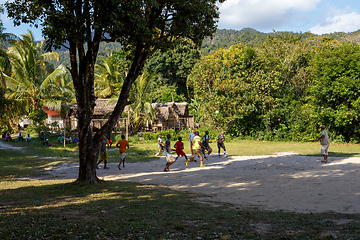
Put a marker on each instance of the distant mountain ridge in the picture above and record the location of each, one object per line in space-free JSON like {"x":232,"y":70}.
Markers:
{"x":223,"y":38}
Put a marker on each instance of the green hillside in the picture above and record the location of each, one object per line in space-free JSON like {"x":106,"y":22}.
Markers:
{"x":223,"y":38}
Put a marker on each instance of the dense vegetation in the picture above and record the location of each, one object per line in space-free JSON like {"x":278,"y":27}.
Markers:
{"x":284,"y":89}
{"x":276,"y":86}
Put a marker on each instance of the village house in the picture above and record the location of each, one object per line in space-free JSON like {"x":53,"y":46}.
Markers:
{"x":170,"y":115}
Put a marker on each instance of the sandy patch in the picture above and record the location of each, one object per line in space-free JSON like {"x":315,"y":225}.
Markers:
{"x":278,"y":182}
{"x":4,"y":145}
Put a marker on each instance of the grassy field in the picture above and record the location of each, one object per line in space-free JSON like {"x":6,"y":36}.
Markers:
{"x":62,"y":209}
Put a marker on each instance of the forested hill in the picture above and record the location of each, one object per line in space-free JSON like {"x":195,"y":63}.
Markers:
{"x":225,"y":38}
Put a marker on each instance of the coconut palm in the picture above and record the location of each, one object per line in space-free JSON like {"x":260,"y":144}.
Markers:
{"x":33,"y":76}
{"x":62,"y":93}
{"x":142,"y":108}
{"x":4,"y":60}
{"x":108,"y":78}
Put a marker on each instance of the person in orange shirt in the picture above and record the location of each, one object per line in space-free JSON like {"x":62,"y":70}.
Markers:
{"x":122,"y":145}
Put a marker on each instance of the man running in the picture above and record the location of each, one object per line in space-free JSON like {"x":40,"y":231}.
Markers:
{"x":167,"y":150}
{"x":160,"y":144}
{"x":196,"y":149}
{"x":179,"y":146}
{"x":103,"y":155}
{"x":205,"y":143}
{"x":122,"y":145}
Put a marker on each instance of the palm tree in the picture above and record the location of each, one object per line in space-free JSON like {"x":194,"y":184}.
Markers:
{"x":33,"y":77}
{"x":4,"y":60}
{"x":8,"y":117}
{"x":62,"y":92}
{"x":142,"y":108}
{"x":108,"y":78}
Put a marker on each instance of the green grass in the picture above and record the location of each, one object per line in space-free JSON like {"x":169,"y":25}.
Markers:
{"x":252,"y":148}
{"x":62,"y":209}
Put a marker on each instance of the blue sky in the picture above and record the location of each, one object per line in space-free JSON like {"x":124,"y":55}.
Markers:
{"x":316,"y":16}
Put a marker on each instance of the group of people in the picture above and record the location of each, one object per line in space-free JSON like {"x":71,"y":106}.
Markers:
{"x":68,"y":139}
{"x":7,"y":137}
{"x":61,"y":139}
{"x":200,"y":148}
{"x":122,"y":144}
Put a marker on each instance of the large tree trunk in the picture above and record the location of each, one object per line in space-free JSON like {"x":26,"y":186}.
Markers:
{"x":89,"y":144}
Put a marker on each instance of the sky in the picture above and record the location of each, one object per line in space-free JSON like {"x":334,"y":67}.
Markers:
{"x":316,"y":16}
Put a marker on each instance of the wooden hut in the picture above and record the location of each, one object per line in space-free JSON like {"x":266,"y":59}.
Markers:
{"x":171,"y":115}
{"x":167,"y":115}
{"x":102,"y":110}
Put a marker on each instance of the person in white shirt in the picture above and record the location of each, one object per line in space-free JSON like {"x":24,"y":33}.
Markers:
{"x":325,"y":143}
{"x":160,"y":145}
{"x":28,"y":138}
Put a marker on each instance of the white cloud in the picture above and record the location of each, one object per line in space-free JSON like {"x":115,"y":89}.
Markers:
{"x":345,"y":22}
{"x":262,"y":14}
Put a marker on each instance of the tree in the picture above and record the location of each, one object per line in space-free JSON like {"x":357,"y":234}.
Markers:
{"x":174,"y":65}
{"x":335,"y":91}
{"x":32,"y":76}
{"x":142,"y":26}
{"x":108,"y":79}
{"x":5,"y":68}
{"x":141,"y":107}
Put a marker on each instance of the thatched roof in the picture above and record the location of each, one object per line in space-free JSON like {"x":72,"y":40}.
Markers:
{"x":103,"y":106}
{"x":164,"y":110}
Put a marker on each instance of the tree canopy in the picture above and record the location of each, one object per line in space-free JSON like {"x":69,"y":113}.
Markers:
{"x":141,"y":26}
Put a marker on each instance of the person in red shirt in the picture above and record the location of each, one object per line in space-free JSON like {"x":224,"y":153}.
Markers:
{"x":122,"y":145}
{"x":179,"y":146}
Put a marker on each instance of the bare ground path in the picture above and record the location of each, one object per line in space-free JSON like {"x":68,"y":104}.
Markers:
{"x":278,"y":182}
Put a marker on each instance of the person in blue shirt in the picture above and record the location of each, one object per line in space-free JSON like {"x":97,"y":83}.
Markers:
{"x":191,"y":136}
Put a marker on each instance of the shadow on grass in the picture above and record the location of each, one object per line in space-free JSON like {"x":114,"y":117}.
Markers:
{"x":115,"y":210}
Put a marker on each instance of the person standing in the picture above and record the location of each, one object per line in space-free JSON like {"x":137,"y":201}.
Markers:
{"x":103,"y":155}
{"x":325,"y":143}
{"x":196,"y":147}
{"x":167,"y":150}
{"x":220,"y":143}
{"x":160,"y":144}
{"x":191,"y":137}
{"x":109,"y":140}
{"x":122,"y":145}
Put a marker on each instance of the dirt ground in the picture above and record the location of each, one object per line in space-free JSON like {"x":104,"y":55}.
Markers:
{"x":285,"y":181}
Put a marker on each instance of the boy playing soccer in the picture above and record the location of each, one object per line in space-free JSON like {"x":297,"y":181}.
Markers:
{"x":103,"y":155}
{"x":205,"y":143}
{"x":179,"y":146}
{"x":122,"y":145}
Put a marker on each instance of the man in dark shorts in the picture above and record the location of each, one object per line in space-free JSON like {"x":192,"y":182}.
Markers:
{"x":220,"y":143}
{"x":205,"y":143}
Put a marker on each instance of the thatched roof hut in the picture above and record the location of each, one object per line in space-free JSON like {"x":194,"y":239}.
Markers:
{"x":167,"y":115}
{"x":169,"y":109}
{"x":103,"y":106}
